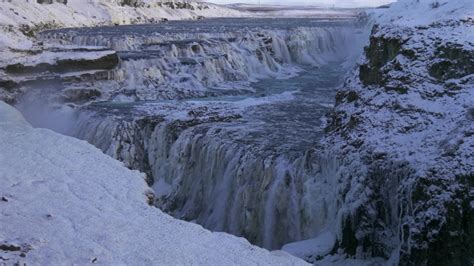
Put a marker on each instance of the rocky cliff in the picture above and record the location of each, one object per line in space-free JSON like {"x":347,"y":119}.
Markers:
{"x":403,"y":129}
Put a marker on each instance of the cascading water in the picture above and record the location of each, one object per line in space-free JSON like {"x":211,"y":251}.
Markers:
{"x":225,"y":118}
{"x":158,"y":63}
{"x":216,"y":176}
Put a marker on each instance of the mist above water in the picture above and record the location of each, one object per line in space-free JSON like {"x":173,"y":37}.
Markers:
{"x":39,"y":111}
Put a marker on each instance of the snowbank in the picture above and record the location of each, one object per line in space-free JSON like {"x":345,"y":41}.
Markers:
{"x":62,"y":200}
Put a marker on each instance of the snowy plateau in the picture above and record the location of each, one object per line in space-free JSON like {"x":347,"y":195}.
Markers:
{"x":156,"y":132}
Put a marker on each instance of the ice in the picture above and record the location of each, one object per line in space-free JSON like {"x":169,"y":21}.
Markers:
{"x":312,"y":248}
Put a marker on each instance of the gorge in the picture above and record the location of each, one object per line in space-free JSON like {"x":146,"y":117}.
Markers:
{"x":341,"y":136}
{"x":225,"y":115}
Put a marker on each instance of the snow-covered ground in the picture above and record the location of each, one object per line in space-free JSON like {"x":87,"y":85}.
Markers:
{"x":413,"y":13}
{"x":294,"y":11}
{"x":20,"y":18}
{"x":63,"y":200}
{"x":83,"y":13}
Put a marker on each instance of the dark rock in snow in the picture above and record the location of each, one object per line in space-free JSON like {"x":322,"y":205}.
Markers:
{"x":108,"y":61}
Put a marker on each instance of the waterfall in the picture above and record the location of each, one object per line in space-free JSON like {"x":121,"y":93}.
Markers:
{"x":204,"y":164}
{"x":188,"y":65}
{"x":201,"y":175}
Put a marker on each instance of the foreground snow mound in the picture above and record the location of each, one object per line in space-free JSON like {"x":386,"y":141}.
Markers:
{"x":62,"y":200}
{"x":403,"y":129}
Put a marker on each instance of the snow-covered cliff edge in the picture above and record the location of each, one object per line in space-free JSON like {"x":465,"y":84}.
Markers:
{"x":62,"y":200}
{"x":21,"y":21}
{"x":403,"y":129}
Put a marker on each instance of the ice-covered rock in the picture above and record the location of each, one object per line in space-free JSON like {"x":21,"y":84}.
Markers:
{"x":63,"y":62}
{"x":402,"y":131}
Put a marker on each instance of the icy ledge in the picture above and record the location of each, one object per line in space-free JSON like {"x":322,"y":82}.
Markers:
{"x":62,"y":200}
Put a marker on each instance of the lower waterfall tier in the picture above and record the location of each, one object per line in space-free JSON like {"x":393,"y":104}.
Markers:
{"x":233,"y":166}
{"x":200,"y":175}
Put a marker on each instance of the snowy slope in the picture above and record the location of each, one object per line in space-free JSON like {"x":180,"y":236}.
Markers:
{"x":88,"y":13}
{"x":415,"y":13}
{"x":80,"y":13}
{"x":62,"y":200}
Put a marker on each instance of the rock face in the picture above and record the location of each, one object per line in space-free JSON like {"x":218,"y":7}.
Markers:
{"x":105,"y":61}
{"x":51,"y":1}
{"x":47,"y":69}
{"x":403,"y":129}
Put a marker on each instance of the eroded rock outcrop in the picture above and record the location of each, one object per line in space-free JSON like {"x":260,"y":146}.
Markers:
{"x":404,"y":133}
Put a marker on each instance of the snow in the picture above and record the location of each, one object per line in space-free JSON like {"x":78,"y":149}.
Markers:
{"x":268,"y":10}
{"x":80,"y":13}
{"x":394,"y":144}
{"x":65,"y":201}
{"x":316,"y":247}
{"x":88,"y":13}
{"x":424,"y":12}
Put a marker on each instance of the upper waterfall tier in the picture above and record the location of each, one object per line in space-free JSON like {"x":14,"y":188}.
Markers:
{"x":217,"y":57}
